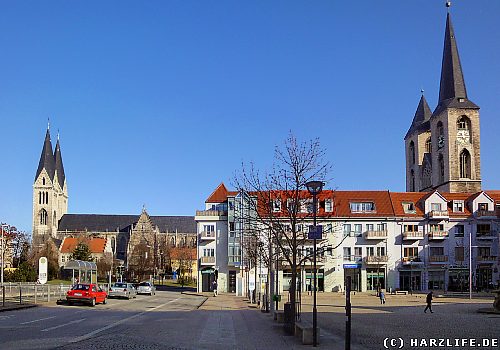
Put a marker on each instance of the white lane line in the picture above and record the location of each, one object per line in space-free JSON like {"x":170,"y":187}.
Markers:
{"x":40,"y":319}
{"x":97,"y":331}
{"x":63,"y":325}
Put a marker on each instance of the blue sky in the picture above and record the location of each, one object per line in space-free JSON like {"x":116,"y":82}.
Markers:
{"x":157,"y":102}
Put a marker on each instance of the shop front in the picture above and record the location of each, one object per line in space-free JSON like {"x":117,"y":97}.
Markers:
{"x":320,"y":280}
{"x":375,"y":278}
{"x":207,"y":279}
{"x":410,"y":280}
{"x":436,"y":279}
{"x":458,"y":279}
{"x":353,"y":270}
{"x":484,"y":276}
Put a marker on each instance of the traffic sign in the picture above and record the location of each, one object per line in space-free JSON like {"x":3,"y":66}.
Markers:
{"x":315,"y":232}
{"x":42,"y":270}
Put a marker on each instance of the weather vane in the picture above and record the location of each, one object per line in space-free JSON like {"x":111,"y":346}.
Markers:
{"x":448,"y":4}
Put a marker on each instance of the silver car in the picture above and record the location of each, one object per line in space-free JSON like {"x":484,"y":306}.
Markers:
{"x":146,"y":288}
{"x":122,"y":290}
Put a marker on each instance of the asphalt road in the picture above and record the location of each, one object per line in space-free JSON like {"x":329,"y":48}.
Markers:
{"x":144,"y":322}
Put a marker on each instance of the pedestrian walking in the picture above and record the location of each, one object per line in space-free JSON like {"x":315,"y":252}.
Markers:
{"x":214,"y":285}
{"x":428,"y":300}
{"x":382,"y":297}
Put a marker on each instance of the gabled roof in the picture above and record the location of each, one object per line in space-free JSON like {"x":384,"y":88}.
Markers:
{"x":219,"y":195}
{"x":421,"y":118}
{"x":452,"y":84}
{"x":59,"y":167}
{"x":398,"y":198}
{"x":95,"y":244}
{"x":110,"y":223}
{"x":46,"y":158}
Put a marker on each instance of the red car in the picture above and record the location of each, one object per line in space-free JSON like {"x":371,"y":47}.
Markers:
{"x":86,"y":293}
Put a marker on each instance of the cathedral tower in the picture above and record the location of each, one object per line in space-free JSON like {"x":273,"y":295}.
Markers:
{"x":50,"y":191}
{"x":443,"y":149}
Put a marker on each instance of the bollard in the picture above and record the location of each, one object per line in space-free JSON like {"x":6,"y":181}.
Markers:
{"x":3,"y":295}
{"x":35,"y":293}
{"x":20,"y":294}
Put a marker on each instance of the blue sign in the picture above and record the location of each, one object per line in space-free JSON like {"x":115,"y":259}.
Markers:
{"x":315,"y":232}
{"x":352,"y":266}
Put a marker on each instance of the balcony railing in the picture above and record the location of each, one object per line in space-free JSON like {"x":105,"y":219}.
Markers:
{"x":411,"y":260}
{"x":207,"y":260}
{"x":486,"y":214}
{"x":207,"y":235}
{"x":487,"y":258}
{"x":376,"y":259}
{"x":433,"y":235}
{"x":413,"y":235}
{"x":438,"y":214}
{"x":438,"y":258}
{"x":382,"y":234}
{"x":355,"y":258}
{"x":486,"y":235}
{"x":211,"y":213}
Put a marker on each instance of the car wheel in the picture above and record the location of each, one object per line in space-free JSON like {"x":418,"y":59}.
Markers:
{"x":92,"y":302}
{"x":105,"y":301}
{"x":128,"y":296}
{"x":70,"y":303}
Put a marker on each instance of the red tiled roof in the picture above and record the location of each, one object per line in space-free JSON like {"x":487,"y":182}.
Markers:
{"x":219,"y":195}
{"x":96,"y":244}
{"x":398,"y":198}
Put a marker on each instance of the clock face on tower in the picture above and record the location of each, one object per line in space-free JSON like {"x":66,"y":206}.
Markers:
{"x":463,"y":136}
{"x":440,"y":141}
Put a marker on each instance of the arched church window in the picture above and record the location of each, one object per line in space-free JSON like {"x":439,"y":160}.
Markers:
{"x":463,"y":123}
{"x":412,"y":181}
{"x":39,"y":197}
{"x":441,"y":168}
{"x":43,"y":180}
{"x":428,"y":145}
{"x":193,"y":242}
{"x":113,"y":244}
{"x":54,"y":219}
{"x":43,"y":217}
{"x":465,"y":166}
{"x":412,"y":153}
{"x":172,"y":242}
{"x":440,"y":133}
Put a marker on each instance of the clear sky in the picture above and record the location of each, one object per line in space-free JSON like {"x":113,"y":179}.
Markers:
{"x":157,"y":102}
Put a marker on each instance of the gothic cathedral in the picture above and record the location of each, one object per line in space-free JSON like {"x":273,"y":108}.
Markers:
{"x":50,"y":191}
{"x":443,"y":147}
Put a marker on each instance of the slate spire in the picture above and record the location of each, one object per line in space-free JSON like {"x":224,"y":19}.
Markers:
{"x":422,"y":115}
{"x":452,"y":79}
{"x":46,"y":158}
{"x":59,"y":167}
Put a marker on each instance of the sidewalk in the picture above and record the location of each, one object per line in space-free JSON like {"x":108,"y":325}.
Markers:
{"x":15,"y":306}
{"x":234,"y":323}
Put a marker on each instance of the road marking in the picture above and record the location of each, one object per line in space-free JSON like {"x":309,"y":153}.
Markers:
{"x":40,"y":319}
{"x":97,"y":331}
{"x":63,"y":325}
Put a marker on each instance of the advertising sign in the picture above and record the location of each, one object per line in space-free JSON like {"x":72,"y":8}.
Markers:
{"x":42,"y":270}
{"x":352,"y":266}
{"x":251,"y":280}
{"x":315,"y":232}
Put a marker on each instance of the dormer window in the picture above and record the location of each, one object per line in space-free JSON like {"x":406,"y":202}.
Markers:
{"x":458,"y":206}
{"x":328,"y":205}
{"x":362,"y":207}
{"x":482,"y":206}
{"x":276,"y":205}
{"x":409,"y":207}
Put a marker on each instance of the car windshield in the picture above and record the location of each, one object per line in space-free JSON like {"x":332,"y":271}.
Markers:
{"x":144,"y":284}
{"x":120,"y":285}
{"x":80,"y":287}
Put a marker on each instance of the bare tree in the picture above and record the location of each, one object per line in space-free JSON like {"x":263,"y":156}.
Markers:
{"x":278,"y":203}
{"x":141,"y":262}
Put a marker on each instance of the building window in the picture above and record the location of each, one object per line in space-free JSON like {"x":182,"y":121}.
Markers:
{"x":412,"y":153}
{"x":459,"y":230}
{"x":43,"y":217}
{"x":39,"y":197}
{"x":458,"y":206}
{"x":412,"y":181}
{"x":465,"y":164}
{"x":172,"y":242}
{"x":437,"y":227}
{"x":483,"y":229}
{"x":358,"y":253}
{"x":276,"y":206}
{"x":411,"y":228}
{"x":435,"y":206}
{"x":328,"y":205}
{"x":428,"y":145}
{"x":193,"y":242}
{"x":362,"y":207}
{"x":440,"y":133}
{"x":409,"y":207}
{"x":463,"y":123}
{"x":459,"y":254}
{"x":484,"y":251}
{"x":63,"y":258}
{"x":436,"y":251}
{"x":358,"y":228}
{"x":347,"y":229}
{"x":441,"y":168}
{"x":291,"y":206}
{"x":410,"y":253}
{"x":370,"y":251}
{"x":43,"y":180}
{"x":482,"y":206}
{"x":380,"y":251}
{"x":231,"y":226}
{"x":347,"y":253}
{"x":381,"y":227}
{"x":369,"y":227}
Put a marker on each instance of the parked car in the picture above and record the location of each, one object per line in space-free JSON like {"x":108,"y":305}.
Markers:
{"x":146,"y":288}
{"x":86,"y":293}
{"x":123,"y":290}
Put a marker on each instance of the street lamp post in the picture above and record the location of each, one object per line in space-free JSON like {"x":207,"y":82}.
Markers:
{"x":470,"y":263}
{"x":3,"y":250}
{"x":314,"y":188}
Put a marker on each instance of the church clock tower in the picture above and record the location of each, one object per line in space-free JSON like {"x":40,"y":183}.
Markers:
{"x":443,"y":149}
{"x":50,"y":192}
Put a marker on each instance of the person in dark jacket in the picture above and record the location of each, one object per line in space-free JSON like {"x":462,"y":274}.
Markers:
{"x":428,"y":300}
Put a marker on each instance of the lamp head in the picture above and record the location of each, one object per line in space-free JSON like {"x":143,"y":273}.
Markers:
{"x":315,"y":187}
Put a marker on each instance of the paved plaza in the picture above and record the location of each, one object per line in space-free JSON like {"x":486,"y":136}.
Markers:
{"x":172,"y":320}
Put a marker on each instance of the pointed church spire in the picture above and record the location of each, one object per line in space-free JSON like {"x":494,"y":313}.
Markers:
{"x":452,"y":79}
{"x":422,"y":115}
{"x":46,"y":158}
{"x":59,"y":167}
